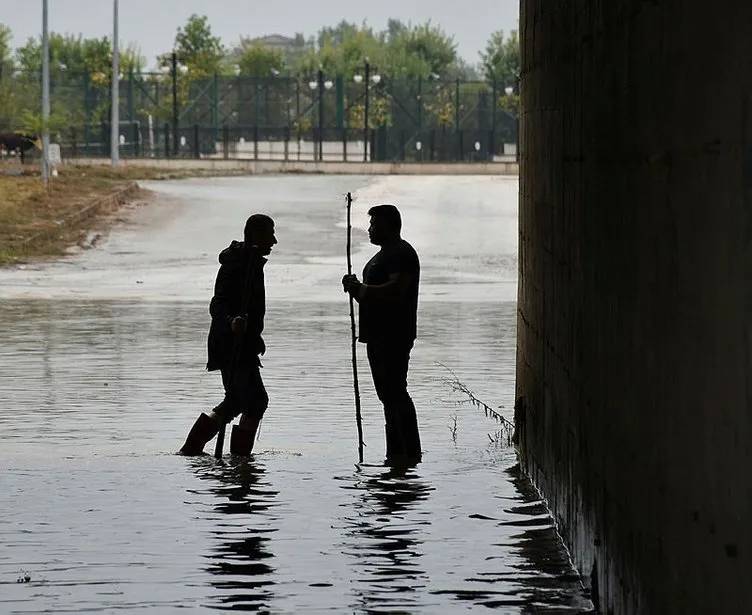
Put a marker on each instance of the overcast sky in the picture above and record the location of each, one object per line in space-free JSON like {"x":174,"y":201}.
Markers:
{"x":151,"y":24}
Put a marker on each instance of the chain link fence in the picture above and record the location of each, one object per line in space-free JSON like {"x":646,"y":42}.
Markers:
{"x":165,"y":114}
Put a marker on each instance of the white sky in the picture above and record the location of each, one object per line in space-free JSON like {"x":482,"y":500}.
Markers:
{"x":151,"y":24}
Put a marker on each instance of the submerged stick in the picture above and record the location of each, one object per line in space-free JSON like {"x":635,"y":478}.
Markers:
{"x":352,"y":335}
{"x":220,"y":441}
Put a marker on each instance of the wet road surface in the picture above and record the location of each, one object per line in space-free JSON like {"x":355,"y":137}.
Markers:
{"x":102,"y":374}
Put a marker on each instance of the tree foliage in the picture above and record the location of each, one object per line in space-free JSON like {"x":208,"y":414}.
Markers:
{"x":197,"y":48}
{"x":419,"y":51}
{"x":5,"y":44}
{"x":258,"y":61}
{"x":76,"y":56}
{"x":500,"y":61}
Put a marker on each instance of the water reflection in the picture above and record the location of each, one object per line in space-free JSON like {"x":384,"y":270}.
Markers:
{"x":546,"y":575}
{"x":384,"y":535}
{"x":531,"y":571}
{"x":241,"y":560}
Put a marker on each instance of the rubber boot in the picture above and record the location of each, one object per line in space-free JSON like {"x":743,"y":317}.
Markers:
{"x":203,"y":430}
{"x":241,"y":440}
{"x":402,"y":435}
{"x":393,"y":442}
{"x":410,"y":432}
{"x":395,"y":448}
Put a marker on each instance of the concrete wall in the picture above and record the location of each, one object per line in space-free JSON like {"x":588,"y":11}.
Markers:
{"x":254,"y":167}
{"x":635,"y":297}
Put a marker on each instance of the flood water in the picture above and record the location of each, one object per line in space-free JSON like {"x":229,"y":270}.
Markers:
{"x":102,"y":362}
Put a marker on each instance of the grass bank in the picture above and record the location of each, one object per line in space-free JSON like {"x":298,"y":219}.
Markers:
{"x":38,"y":223}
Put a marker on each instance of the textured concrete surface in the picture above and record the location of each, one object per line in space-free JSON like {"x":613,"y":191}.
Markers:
{"x":635,"y":294}
{"x":258,"y":167}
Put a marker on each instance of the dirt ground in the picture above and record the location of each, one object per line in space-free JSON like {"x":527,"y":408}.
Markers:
{"x":39,"y":223}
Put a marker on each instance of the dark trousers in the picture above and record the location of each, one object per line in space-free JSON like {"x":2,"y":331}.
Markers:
{"x":244,"y":392}
{"x":389,"y":364}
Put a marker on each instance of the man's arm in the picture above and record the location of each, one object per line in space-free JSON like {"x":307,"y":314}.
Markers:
{"x":219,"y":307}
{"x":393,"y":290}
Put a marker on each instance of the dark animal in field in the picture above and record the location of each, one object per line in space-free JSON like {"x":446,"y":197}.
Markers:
{"x":16,"y":142}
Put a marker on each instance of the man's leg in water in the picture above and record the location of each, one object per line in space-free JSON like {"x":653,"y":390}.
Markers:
{"x":252,"y":400}
{"x":244,"y":393}
{"x":389,"y":366}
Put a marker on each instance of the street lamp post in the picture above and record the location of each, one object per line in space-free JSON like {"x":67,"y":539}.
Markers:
{"x":494,"y":103}
{"x":365,"y":119}
{"x":509,"y":90}
{"x":45,"y":95}
{"x":174,"y":70}
{"x":115,"y":120}
{"x":375,"y":79}
{"x":320,"y":83}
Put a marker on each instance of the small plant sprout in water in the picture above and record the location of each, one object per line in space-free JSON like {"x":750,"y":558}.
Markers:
{"x":453,"y":427}
{"x":503,"y":435}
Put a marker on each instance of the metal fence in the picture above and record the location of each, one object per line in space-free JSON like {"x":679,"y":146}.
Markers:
{"x":371,"y":118}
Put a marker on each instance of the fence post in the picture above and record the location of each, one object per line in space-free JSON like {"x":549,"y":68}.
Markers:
{"x":287,"y":143}
{"x":431,"y":144}
{"x":215,"y":107}
{"x":460,"y":146}
{"x":196,"y":152}
{"x":225,"y":141}
{"x":167,"y":139}
{"x":136,"y":140}
{"x":402,"y":145}
{"x":344,"y":145}
{"x":87,"y":114}
{"x":457,"y":105}
{"x":74,"y":148}
{"x":255,"y":142}
{"x":105,"y":139}
{"x":175,"y":102}
{"x":130,"y":95}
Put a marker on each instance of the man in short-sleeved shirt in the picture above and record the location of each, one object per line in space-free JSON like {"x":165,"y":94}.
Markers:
{"x":388,"y":299}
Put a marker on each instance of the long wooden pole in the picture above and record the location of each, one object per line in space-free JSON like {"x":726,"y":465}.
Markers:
{"x":352,"y":335}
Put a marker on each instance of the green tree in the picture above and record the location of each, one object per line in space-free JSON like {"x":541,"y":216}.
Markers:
{"x":400,"y":51}
{"x":258,"y":61}
{"x":74,"y":55}
{"x":80,"y":74}
{"x":5,"y":49}
{"x":342,"y":50}
{"x":9,"y":102}
{"x":500,"y":61}
{"x":418,"y":51}
{"x":462,"y":70}
{"x":198,"y":48}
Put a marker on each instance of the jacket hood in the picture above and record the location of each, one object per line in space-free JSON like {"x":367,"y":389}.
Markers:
{"x":236,"y":253}
{"x":233,"y":253}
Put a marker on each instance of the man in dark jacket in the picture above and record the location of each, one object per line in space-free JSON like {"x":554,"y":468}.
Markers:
{"x":235,"y":342}
{"x":388,"y":300}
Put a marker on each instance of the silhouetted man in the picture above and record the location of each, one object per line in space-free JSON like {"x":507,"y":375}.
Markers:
{"x":235,"y":342}
{"x":388,"y":298}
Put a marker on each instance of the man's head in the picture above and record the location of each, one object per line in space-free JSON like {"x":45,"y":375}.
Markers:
{"x":259,"y":233}
{"x":386,"y":224}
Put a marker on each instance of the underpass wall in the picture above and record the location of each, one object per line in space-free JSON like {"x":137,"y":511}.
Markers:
{"x":635,"y":297}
